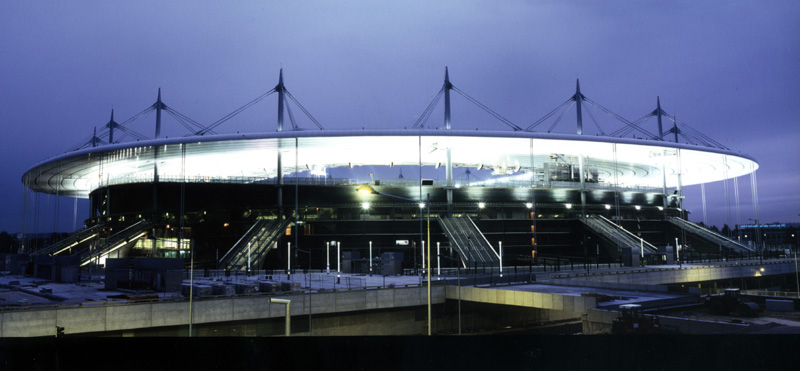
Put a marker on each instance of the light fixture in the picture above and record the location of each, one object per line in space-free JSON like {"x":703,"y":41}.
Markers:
{"x":365,"y":205}
{"x":608,"y":207}
{"x":529,"y":205}
{"x":637,"y":207}
{"x":421,"y":205}
{"x":568,"y":206}
{"x":366,"y":190}
{"x":660,"y":208}
{"x":481,"y":205}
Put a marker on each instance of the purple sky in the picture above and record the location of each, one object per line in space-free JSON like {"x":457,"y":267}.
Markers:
{"x":727,"y":68}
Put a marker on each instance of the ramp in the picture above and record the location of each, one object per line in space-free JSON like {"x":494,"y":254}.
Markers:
{"x":75,"y":239}
{"x":710,"y":235}
{"x":616,"y":234}
{"x":255,"y":244}
{"x":116,"y":241}
{"x":471,"y":244}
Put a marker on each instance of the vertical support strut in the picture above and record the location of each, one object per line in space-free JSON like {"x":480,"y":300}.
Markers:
{"x":659,"y":113}
{"x":449,"y":186}
{"x":664,"y":189}
{"x":578,"y":98}
{"x":111,"y":125}
{"x":727,"y":198}
{"x":159,"y":105}
{"x":155,"y":166}
{"x":583,"y":185}
{"x":449,"y":166}
{"x":703,"y":199}
{"x":738,"y":214}
{"x":280,"y":89}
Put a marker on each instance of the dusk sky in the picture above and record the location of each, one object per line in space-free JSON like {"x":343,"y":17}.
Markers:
{"x":730,"y":69}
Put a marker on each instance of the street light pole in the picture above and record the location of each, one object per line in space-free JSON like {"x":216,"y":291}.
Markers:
{"x":370,"y":258}
{"x":438,"y":261}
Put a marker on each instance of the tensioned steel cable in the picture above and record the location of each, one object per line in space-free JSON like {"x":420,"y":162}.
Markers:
{"x":305,"y":111}
{"x":423,"y":118}
{"x":487,"y":109}
{"x":235,"y":112}
{"x":544,"y":118}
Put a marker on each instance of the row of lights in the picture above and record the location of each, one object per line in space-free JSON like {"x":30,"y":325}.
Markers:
{"x":481,"y":205}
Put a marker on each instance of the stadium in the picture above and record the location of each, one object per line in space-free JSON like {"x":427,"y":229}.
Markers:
{"x":373,"y":200}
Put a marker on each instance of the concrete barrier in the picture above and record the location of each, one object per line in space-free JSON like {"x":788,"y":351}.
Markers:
{"x":114,"y":316}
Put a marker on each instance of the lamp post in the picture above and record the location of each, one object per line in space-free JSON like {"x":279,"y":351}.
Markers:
{"x":338,"y":261}
{"x":370,"y":258}
{"x":368,"y":190}
{"x":500,"y":255}
{"x":438,"y":261}
{"x":328,"y":257}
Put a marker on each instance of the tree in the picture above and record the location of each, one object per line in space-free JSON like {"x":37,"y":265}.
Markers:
{"x":8,"y":244}
{"x":726,"y":230}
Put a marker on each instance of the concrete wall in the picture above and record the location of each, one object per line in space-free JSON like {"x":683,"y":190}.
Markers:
{"x":99,"y":317}
{"x":656,"y":276}
{"x":579,"y":304}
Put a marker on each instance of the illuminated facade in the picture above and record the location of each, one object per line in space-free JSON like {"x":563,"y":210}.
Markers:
{"x":529,"y":184}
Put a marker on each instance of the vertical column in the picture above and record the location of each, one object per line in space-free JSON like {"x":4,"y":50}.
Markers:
{"x":111,"y":125}
{"x":447,"y":87}
{"x":578,"y":98}
{"x":583,"y":185}
{"x":449,"y":168}
{"x":664,"y":188}
{"x":156,"y":149}
{"x":280,"y":89}
{"x":659,"y":113}
{"x":449,"y":185}
{"x":159,"y":105}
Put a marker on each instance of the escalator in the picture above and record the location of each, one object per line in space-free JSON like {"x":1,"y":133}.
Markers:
{"x":472,"y":245}
{"x":116,"y":241}
{"x":76,"y":239}
{"x":617,"y":235}
{"x":255,"y":244}
{"x":710,"y":235}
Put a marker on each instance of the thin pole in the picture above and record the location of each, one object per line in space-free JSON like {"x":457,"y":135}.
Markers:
{"x":328,"y":257}
{"x":438,"y":260}
{"x":289,"y":260}
{"x":429,"y":264}
{"x":796,"y":275}
{"x":422,"y":252}
{"x":338,"y":258}
{"x":191,"y":284}
{"x":370,"y":258}
{"x":500,"y":244}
